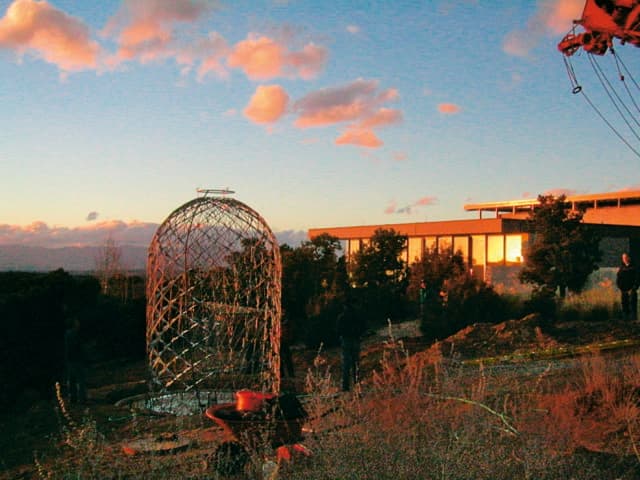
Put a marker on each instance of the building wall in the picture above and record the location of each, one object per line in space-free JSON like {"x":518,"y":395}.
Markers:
{"x":612,"y":250}
{"x":479,"y":251}
{"x":628,"y":215}
{"x":494,"y":248}
{"x":609,"y":215}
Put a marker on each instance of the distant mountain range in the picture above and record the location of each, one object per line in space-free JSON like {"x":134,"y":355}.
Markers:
{"x":25,"y":258}
{"x":72,"y":259}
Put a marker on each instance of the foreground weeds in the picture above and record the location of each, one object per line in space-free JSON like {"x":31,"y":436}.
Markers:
{"x":419,"y":417}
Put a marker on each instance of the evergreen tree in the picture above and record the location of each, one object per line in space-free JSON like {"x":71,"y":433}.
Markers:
{"x":312,"y":284}
{"x":381,"y":276}
{"x":564,"y":251}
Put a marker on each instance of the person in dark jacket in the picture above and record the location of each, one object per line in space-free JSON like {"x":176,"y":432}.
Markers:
{"x":627,"y":282}
{"x":75,"y":363}
{"x":350,"y":327}
{"x":286,"y":339}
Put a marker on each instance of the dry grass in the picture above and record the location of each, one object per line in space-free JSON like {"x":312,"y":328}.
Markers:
{"x":412,"y":417}
{"x":418,"y":418}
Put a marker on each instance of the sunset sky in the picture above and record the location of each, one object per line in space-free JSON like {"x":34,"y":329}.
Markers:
{"x":317,"y":113}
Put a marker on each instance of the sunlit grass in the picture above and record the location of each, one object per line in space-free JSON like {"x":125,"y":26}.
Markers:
{"x":600,"y":302}
{"x":415,"y":417}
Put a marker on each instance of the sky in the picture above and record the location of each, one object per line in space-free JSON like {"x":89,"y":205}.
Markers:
{"x":316,"y":114}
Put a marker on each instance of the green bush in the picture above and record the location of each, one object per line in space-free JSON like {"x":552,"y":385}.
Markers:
{"x":598,"y":313}
{"x":320,"y":328}
{"x":570,"y":314}
{"x":543,"y":302}
{"x":468,"y":300}
{"x":434,"y":324}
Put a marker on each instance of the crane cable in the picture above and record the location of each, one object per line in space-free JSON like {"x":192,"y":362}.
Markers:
{"x":611,"y":93}
{"x":577,"y":88}
{"x":619,"y":62}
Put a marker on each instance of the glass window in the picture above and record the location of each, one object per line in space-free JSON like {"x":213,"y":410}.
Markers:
{"x":354,"y":246}
{"x":461,"y":244}
{"x":430,"y":243}
{"x":415,"y":249}
{"x":478,"y":245}
{"x":495,"y":248}
{"x":513,"y":248}
{"x":444,"y":244}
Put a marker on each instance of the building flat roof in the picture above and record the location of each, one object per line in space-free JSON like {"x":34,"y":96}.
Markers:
{"x":506,"y":224}
{"x":511,"y":206}
{"x":421,"y":229}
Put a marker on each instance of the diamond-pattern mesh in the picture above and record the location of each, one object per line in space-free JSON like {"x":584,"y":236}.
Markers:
{"x":213,"y":299}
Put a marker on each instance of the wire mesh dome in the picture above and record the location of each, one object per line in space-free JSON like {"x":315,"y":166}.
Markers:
{"x":213,"y":299}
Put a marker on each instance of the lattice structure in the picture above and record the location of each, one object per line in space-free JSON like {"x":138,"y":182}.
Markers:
{"x":213,"y":299}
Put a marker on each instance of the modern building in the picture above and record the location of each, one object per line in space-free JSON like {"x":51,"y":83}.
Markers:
{"x":494,"y":244}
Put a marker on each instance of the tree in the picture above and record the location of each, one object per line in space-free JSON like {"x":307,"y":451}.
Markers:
{"x":434,"y":268}
{"x":108,"y":263}
{"x":326,"y":273}
{"x":313,"y":281}
{"x":309,"y":274}
{"x":381,"y":275}
{"x":564,"y":250}
{"x":297,"y":280}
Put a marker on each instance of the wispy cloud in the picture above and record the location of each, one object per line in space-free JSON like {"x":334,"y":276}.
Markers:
{"x":264,"y":58}
{"x":145,"y":29}
{"x":268,"y":104}
{"x":361,"y":138}
{"x":391,"y":207}
{"x":353,"y":29}
{"x":209,"y":53}
{"x":556,"y":192}
{"x":37,"y":28}
{"x":408,"y":209}
{"x":449,"y":108}
{"x":399,"y":156}
{"x":359,"y":102}
{"x":333,"y":105}
{"x":41,"y":234}
{"x":552,"y":17}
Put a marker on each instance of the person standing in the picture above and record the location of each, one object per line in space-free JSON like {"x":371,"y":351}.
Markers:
{"x":75,"y":363}
{"x":286,"y":339}
{"x":627,"y":282}
{"x":422,"y":297}
{"x":350,"y":327}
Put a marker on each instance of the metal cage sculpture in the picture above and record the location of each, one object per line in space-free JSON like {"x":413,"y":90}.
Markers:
{"x":213,"y":298}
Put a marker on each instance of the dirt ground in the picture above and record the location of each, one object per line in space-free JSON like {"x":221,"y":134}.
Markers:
{"x":39,"y":430}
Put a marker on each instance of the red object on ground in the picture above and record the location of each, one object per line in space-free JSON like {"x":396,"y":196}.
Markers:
{"x":251,"y":401}
{"x":283,"y":454}
{"x":251,"y":426}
